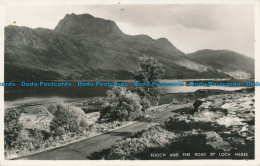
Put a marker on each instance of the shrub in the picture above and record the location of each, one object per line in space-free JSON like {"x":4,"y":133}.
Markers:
{"x":23,"y":141}
{"x":150,"y":93}
{"x":121,"y":105}
{"x":177,"y":124}
{"x":217,"y":142}
{"x":191,"y":143}
{"x":131,"y":147}
{"x":29,"y":139}
{"x":67,"y":119}
{"x":183,"y":123}
{"x":12,"y":127}
{"x":145,"y":103}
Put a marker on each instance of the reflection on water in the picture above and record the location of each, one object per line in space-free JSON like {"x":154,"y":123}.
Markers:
{"x":186,"y":89}
{"x":69,"y":92}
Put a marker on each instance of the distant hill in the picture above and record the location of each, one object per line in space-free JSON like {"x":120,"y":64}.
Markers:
{"x":86,"y":47}
{"x":234,"y":64}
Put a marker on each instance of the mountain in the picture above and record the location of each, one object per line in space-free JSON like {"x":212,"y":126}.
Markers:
{"x":234,"y":64}
{"x":88,"y":25}
{"x":85,"y":47}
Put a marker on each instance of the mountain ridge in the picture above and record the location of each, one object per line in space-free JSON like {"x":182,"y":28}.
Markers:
{"x":86,"y":47}
{"x":227,"y":62}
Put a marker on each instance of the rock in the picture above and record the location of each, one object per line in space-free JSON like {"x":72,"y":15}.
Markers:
{"x":217,"y":142}
{"x":244,"y":129}
{"x":87,"y":24}
{"x":196,"y":105}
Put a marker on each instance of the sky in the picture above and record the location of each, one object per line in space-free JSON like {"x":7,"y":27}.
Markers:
{"x":189,"y":27}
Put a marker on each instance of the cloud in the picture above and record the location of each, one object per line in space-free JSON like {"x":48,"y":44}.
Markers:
{"x":188,"y":27}
{"x":190,"y":16}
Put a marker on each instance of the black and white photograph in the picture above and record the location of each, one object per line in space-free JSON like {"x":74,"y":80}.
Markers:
{"x":130,"y":81}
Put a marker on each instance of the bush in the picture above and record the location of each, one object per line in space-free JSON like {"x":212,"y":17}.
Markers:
{"x":184,"y":123}
{"x":29,"y":139}
{"x":190,"y":143}
{"x":67,"y":119}
{"x":177,"y":124}
{"x":131,"y":148}
{"x":121,"y":105}
{"x":12,"y":127}
{"x":151,"y":93}
{"x":145,"y":103}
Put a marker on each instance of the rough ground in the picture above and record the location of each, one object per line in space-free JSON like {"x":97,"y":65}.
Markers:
{"x":85,"y":149}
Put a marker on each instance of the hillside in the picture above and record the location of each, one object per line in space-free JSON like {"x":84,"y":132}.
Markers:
{"x":234,"y":64}
{"x":85,"y":47}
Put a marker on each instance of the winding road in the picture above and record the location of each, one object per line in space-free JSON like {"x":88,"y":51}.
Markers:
{"x":85,"y":149}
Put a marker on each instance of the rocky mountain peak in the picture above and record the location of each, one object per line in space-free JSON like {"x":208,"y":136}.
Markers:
{"x":87,"y":24}
{"x":86,"y":47}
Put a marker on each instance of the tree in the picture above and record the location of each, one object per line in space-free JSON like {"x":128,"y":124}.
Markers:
{"x":151,"y":71}
{"x":12,"y":127}
{"x":121,"y":104}
{"x":67,"y":119}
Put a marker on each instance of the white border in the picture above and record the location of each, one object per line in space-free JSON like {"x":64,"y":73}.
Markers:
{"x":255,"y":162}
{"x":1,"y":80}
